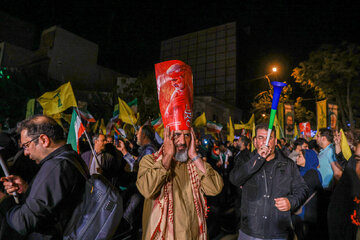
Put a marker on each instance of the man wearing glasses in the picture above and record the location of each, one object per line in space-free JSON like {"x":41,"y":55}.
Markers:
{"x":48,"y":201}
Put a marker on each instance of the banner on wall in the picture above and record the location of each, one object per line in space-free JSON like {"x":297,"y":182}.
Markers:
{"x":332,"y":115}
{"x":321,"y":114}
{"x":289,"y":121}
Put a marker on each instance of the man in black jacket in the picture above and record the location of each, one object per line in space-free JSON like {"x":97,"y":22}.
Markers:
{"x":104,"y":163}
{"x":49,"y":200}
{"x":271,"y":188}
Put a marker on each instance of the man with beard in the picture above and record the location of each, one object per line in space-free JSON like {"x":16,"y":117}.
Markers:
{"x":175,"y":179}
{"x":173,"y":182}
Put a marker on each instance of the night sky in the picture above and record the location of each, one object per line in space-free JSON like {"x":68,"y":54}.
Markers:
{"x":129,"y":33}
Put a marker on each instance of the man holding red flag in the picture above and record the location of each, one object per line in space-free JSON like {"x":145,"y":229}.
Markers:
{"x":175,"y":179}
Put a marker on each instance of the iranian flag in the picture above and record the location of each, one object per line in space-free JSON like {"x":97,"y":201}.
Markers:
{"x":213,"y":127}
{"x":158,"y":126}
{"x":157,"y":123}
{"x":85,"y":115}
{"x":76,"y":130}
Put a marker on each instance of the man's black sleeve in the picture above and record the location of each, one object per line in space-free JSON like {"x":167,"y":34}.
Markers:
{"x":52,"y":184}
{"x":245,"y":167}
{"x":299,"y":188}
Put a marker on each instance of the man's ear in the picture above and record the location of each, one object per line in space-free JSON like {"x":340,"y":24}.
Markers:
{"x":44,"y":140}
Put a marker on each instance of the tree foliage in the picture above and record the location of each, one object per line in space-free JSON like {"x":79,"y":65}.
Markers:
{"x":144,"y":88}
{"x":302,"y":114}
{"x":262,"y":102}
{"x":332,"y":72}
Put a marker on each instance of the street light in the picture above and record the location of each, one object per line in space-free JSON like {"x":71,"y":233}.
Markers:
{"x":274,"y":70}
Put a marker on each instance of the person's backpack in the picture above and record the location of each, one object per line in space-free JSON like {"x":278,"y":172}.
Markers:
{"x":98,"y":214}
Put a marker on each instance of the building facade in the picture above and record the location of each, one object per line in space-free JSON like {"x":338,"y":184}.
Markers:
{"x":212,"y":55}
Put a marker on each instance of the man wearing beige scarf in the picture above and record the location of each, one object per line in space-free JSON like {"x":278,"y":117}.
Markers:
{"x":175,"y":179}
{"x":173,"y":182}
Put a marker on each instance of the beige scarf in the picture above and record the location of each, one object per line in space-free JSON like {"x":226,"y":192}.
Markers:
{"x":162,"y":214}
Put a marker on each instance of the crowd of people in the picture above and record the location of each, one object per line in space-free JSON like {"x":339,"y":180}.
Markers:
{"x":189,"y":186}
{"x":307,"y":189}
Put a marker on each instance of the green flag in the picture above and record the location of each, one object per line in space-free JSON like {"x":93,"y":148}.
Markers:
{"x":30,"y":107}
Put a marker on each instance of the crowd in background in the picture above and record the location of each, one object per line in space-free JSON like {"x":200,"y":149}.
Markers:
{"x":330,"y":211}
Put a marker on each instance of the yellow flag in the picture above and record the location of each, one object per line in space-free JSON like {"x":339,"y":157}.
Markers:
{"x":321,"y":114}
{"x":30,"y":107}
{"x":230,"y":136}
{"x":248,"y":125}
{"x":125,"y":113}
{"x":95,"y":126}
{"x":160,"y":130}
{"x":200,"y":121}
{"x":253,"y":135}
{"x":57,"y":118}
{"x":58,"y":100}
{"x":277,"y":128}
{"x":345,"y":148}
{"x":102,"y":127}
{"x":296,"y":132}
{"x":280,"y":115}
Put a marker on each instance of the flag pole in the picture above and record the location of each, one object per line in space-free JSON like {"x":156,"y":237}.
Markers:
{"x":6,"y":172}
{"x":87,"y":138}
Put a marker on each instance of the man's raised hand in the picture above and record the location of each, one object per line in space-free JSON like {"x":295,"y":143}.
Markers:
{"x":168,"y":147}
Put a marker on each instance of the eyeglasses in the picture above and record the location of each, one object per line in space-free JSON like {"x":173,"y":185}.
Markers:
{"x":26,"y":145}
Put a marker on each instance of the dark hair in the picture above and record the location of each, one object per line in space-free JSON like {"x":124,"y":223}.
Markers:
{"x":41,"y":124}
{"x":313,"y":145}
{"x":110,"y":136}
{"x":264,"y":127}
{"x":300,"y":142}
{"x":148,"y":131}
{"x":96,"y":137}
{"x":324,"y":132}
{"x":245,"y":140}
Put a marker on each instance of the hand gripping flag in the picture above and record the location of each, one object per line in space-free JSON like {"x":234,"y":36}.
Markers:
{"x":76,"y":130}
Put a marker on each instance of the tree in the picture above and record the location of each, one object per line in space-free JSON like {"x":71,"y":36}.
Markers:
{"x":302,"y":114}
{"x":145,"y":90}
{"x":263,"y":101}
{"x":333,"y":73}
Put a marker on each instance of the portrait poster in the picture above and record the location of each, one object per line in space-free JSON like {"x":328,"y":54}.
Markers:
{"x":321,"y":114}
{"x":289,"y":121}
{"x":332,"y":116}
{"x":305,"y":129}
{"x":174,"y":81}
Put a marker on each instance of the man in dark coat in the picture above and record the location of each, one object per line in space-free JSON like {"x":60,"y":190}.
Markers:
{"x":272,"y":187}
{"x":103,"y":163}
{"x":49,"y":200}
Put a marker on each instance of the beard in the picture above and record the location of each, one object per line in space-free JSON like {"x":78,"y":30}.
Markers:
{"x":181,"y":155}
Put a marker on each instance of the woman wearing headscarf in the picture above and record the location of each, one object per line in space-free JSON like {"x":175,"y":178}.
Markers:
{"x":305,"y":219}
